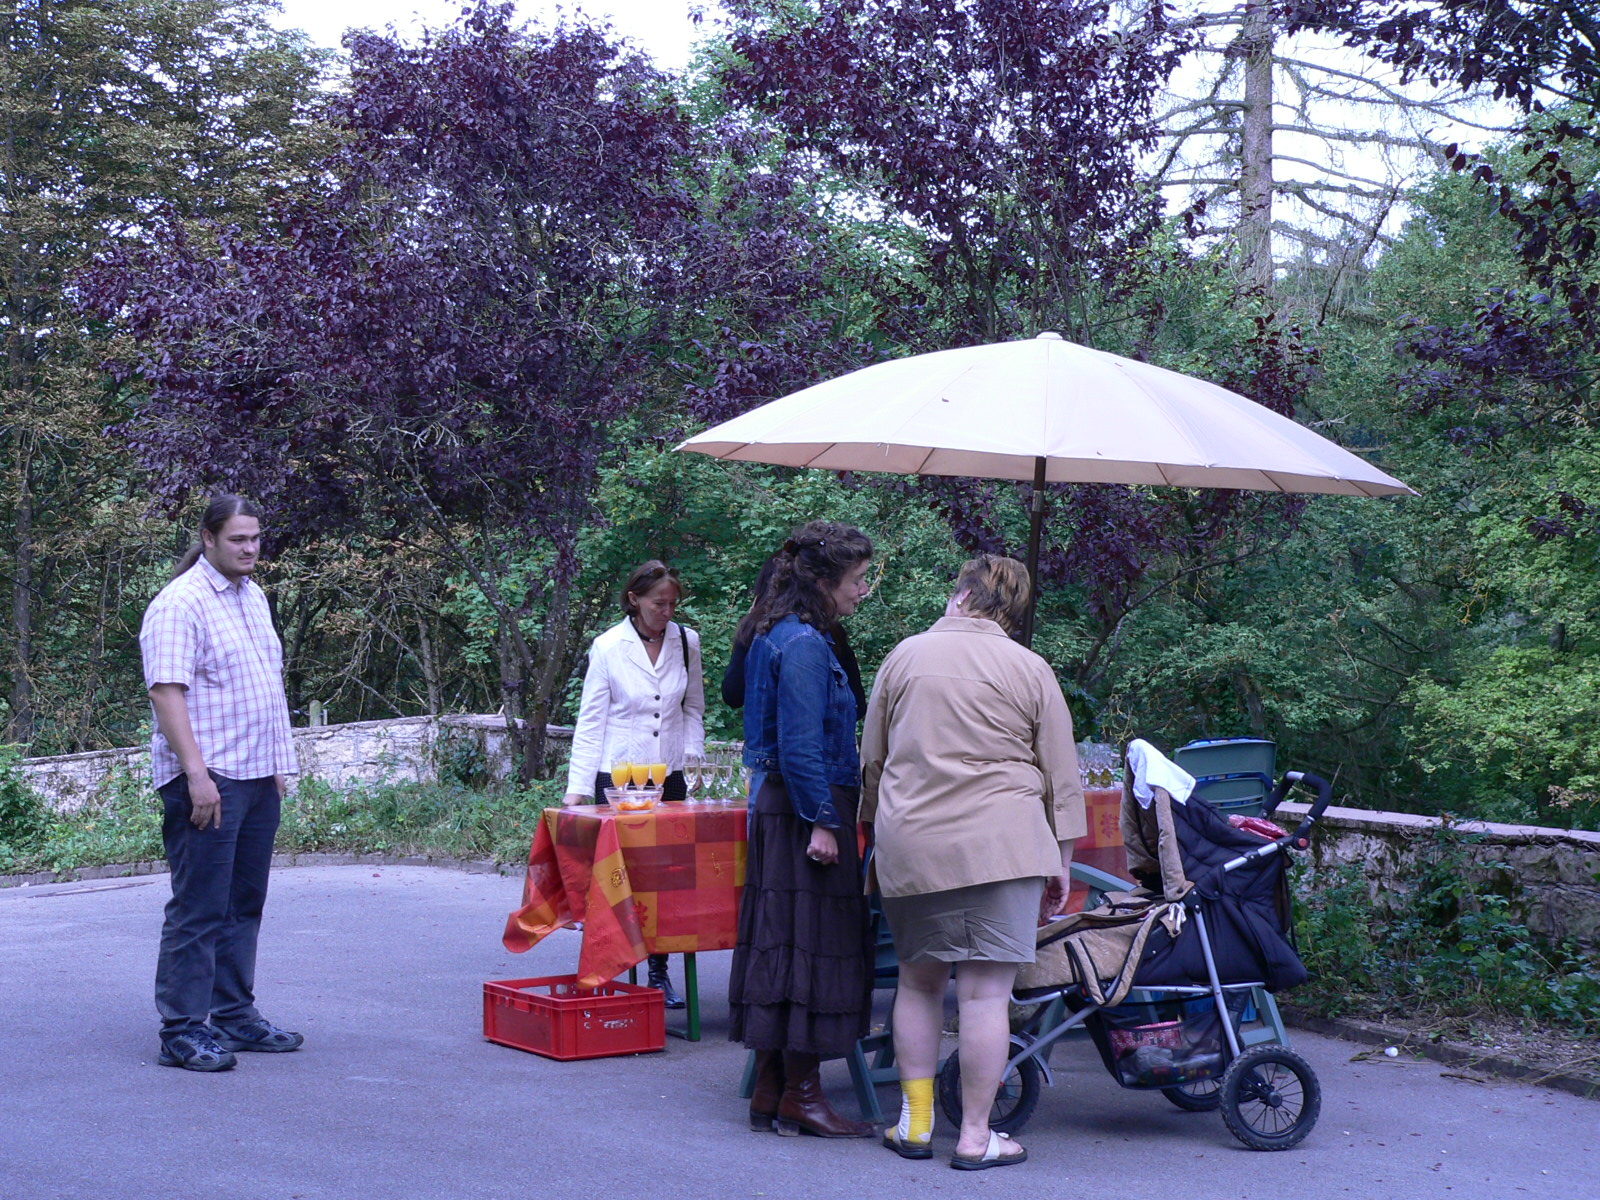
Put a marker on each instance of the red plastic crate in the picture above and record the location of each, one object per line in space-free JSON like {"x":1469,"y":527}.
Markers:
{"x":558,"y":1019}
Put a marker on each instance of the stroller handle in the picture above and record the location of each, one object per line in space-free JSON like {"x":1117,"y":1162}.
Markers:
{"x":1300,"y":839}
{"x":1302,"y":836}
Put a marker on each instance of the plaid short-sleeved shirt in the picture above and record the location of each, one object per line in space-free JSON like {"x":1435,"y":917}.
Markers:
{"x":216,"y":640}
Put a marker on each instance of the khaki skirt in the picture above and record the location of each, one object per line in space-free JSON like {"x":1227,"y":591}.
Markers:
{"x":987,"y":922}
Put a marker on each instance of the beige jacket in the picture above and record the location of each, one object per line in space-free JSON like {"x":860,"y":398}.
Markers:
{"x":968,"y":765}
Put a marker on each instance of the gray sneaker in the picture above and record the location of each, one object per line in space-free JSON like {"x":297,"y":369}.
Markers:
{"x":196,"y":1051}
{"x":262,"y":1037}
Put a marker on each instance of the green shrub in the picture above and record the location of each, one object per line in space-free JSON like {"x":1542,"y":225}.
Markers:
{"x":447,"y":818}
{"x":24,"y":816}
{"x":1446,"y":942}
{"x":120,"y":823}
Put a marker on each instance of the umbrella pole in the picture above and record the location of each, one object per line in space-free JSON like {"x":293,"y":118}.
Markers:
{"x":1035,"y":526}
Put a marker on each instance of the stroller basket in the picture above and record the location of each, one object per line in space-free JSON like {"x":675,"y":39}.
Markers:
{"x":1164,"y":1042}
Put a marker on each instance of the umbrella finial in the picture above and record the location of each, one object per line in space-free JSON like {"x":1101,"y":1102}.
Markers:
{"x":1049,"y":336}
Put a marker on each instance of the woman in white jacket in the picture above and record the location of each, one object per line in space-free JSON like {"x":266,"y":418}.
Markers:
{"x":643,"y":702}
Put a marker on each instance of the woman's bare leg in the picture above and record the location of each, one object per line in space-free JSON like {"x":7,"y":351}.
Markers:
{"x":983,"y":996}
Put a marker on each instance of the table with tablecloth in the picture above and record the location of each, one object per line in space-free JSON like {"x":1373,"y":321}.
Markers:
{"x":666,"y":881}
{"x":1101,"y":847}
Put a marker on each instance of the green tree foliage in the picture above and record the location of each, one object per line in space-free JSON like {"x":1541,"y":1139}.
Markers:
{"x":110,"y":111}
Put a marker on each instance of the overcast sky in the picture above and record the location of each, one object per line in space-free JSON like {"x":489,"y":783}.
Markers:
{"x":661,"y":27}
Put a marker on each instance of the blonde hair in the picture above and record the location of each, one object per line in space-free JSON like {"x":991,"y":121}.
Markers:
{"x":997,"y":588}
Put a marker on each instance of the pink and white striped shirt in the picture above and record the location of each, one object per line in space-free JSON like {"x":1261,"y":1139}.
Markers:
{"x":215,"y":638}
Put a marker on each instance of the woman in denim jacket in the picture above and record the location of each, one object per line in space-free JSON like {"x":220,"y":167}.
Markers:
{"x":801,"y":981}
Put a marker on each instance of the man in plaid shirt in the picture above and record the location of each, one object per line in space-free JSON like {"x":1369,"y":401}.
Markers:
{"x":214,"y":667}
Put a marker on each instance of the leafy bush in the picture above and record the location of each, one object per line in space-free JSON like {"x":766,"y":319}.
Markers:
{"x":120,"y":823}
{"x":23,"y":815}
{"x":1445,"y":943}
{"x":446,"y":819}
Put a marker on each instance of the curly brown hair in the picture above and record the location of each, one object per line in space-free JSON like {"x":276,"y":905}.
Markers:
{"x":805,"y":571}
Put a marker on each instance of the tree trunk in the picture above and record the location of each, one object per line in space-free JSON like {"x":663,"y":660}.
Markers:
{"x":1255,"y":46}
{"x":525,"y":718}
{"x":430,"y":667}
{"x":21,"y":726}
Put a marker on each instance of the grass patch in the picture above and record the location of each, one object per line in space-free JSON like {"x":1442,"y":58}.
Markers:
{"x":448,"y":819}
{"x":121,"y":823}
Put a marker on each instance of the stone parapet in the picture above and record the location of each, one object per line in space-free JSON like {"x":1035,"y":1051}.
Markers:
{"x":1551,"y":877}
{"x":398,"y":750}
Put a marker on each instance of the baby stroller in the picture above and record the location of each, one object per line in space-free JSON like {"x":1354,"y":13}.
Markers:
{"x":1172,"y":979}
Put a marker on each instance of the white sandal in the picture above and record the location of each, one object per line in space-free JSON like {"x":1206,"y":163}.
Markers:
{"x":992,"y":1155}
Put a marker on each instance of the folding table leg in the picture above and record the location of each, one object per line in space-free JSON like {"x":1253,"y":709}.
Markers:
{"x":691,"y":998}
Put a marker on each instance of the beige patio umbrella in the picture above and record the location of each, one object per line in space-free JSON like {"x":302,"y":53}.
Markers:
{"x":1048,"y":410}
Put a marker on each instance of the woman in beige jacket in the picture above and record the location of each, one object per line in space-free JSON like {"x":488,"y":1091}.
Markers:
{"x":970,"y":781}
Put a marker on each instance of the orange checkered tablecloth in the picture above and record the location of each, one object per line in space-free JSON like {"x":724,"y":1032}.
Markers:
{"x":1101,"y":847}
{"x":660,"y":882}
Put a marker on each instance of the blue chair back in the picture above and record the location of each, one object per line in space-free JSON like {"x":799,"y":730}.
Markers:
{"x":1234,"y":774}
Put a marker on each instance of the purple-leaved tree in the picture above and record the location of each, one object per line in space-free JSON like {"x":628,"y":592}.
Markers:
{"x":999,"y":144}
{"x":442,"y":325}
{"x":1524,"y":363}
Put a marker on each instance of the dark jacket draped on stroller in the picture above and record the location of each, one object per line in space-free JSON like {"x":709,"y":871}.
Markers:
{"x":1144,"y":937}
{"x":1170,"y":978}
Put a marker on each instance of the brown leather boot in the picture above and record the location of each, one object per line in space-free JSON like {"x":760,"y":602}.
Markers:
{"x":804,"y":1109}
{"x":769,"y":1089}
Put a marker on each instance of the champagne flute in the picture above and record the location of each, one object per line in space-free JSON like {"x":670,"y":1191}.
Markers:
{"x":620,"y":771}
{"x":639,"y":773}
{"x":691,"y":776}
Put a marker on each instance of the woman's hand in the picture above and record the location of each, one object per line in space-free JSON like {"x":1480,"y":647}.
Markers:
{"x":824,"y":847}
{"x":1054,"y":902}
{"x":572,"y":798}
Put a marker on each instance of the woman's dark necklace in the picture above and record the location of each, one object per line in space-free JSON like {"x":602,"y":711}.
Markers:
{"x":642,"y":636}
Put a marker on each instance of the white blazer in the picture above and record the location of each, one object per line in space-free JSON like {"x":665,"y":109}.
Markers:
{"x":637,"y":710}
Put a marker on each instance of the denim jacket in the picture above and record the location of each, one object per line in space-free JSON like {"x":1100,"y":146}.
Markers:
{"x":800,"y":718}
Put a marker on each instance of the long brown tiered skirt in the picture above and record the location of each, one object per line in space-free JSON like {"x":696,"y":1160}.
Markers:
{"x":802,"y":972}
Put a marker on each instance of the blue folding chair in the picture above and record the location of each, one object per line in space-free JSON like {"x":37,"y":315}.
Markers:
{"x":1236,"y":775}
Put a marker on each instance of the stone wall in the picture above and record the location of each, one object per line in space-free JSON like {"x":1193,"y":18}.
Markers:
{"x":405,"y":749}
{"x":1550,"y":876}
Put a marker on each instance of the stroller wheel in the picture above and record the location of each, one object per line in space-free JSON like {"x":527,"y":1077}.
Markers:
{"x":1013,"y":1103}
{"x":1203,"y":1095}
{"x":1270,"y":1098}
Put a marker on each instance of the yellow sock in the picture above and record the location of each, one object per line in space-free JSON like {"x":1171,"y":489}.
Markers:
{"x":916,"y":1111}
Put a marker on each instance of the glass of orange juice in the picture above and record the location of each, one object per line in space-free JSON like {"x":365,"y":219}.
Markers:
{"x":640,"y":774}
{"x":620,"y":772}
{"x":658,"y":774}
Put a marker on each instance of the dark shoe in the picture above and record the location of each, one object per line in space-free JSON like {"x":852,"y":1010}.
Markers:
{"x":658,"y":979}
{"x":769,"y":1090}
{"x":262,"y":1037}
{"x":804,"y":1109}
{"x":891,"y":1139}
{"x":197,"y":1051}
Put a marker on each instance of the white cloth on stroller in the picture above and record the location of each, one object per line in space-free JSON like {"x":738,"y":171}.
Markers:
{"x":1152,"y":769}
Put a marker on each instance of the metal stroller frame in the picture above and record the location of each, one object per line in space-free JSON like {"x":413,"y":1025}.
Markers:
{"x":1269,"y":1095}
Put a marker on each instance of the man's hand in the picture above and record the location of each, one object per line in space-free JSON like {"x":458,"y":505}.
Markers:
{"x":1054,"y":902}
{"x":205,"y":801}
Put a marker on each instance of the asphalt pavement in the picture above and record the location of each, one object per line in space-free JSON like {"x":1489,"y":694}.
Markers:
{"x":397,"y":1095}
